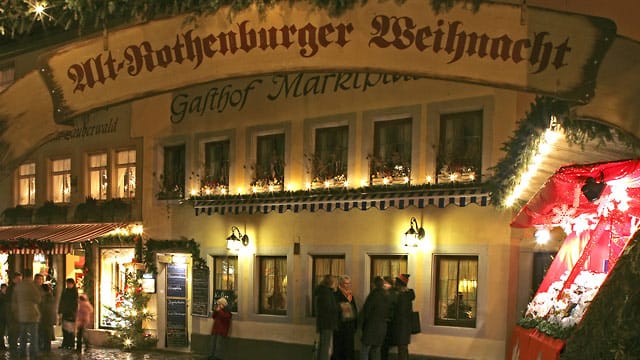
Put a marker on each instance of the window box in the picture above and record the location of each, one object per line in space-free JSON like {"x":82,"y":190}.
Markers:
{"x":51,"y":213}
{"x":19,"y":215}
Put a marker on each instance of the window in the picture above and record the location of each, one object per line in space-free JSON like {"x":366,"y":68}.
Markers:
{"x":329,"y":162}
{"x":269,"y":170}
{"x":273,"y":285}
{"x":61,"y":180}
{"x":216,"y":167}
{"x":113,"y":277}
{"x":225,"y":280}
{"x":174,"y":170}
{"x":388,"y":265}
{"x":460,"y":147}
{"x":7,"y":75}
{"x":27,"y":184}
{"x":456,"y":290}
{"x":325,"y":265}
{"x":98,"y":176}
{"x":391,"y":159}
{"x":126,"y":174}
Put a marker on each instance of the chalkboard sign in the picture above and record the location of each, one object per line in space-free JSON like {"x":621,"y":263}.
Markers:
{"x":200,"y":292}
{"x":177,"y":322}
{"x":177,"y":280}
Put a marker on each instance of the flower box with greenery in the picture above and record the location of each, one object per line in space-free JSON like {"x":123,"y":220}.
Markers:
{"x":116,"y":209}
{"x":51,"y":213}
{"x":459,"y":174}
{"x":88,"y":211}
{"x":267,"y":180}
{"x":388,"y":172}
{"x":325,"y":174}
{"x":167,"y":190}
{"x":209,"y":185}
{"x":19,"y":215}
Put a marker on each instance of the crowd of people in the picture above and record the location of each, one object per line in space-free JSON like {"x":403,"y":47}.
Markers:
{"x":28,"y":315}
{"x":385,"y":318}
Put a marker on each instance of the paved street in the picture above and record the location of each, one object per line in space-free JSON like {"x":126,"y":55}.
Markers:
{"x":107,"y":354}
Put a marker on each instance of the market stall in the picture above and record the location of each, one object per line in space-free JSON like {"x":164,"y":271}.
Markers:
{"x":598,"y":208}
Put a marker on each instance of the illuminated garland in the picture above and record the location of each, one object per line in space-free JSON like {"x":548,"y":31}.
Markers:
{"x":37,"y":17}
{"x":528,"y":135}
{"x":151,"y":247}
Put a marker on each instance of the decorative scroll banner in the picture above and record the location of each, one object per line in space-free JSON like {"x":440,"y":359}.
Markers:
{"x":501,"y":45}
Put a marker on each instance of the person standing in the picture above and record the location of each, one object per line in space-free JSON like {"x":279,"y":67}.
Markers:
{"x":84,"y":320}
{"x":67,"y":309}
{"x":4,"y":303}
{"x":26,"y":302}
{"x":344,"y":336}
{"x":326,"y":315}
{"x":47,"y":317}
{"x":399,"y":332}
{"x":13,"y":328}
{"x":375,"y":315}
{"x":220,"y":329}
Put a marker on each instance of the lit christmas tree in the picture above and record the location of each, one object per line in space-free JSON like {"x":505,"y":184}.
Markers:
{"x":129,"y":315}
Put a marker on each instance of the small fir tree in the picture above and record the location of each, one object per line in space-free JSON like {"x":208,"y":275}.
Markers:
{"x":129,"y":315}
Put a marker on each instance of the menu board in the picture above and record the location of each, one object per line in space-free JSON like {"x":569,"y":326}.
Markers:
{"x":177,"y":322}
{"x":200,"y":292}
{"x":177,"y":280}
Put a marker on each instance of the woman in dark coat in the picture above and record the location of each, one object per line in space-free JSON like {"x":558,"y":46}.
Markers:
{"x":67,"y":309}
{"x":47,"y":318}
{"x":375,"y":314}
{"x":399,"y":332}
{"x":344,"y":336}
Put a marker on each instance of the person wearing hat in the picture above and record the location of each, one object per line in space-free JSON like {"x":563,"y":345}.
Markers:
{"x":220,"y":329}
{"x":399,"y":329}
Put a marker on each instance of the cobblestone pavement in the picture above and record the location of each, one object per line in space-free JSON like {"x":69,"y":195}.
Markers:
{"x":106,"y":354}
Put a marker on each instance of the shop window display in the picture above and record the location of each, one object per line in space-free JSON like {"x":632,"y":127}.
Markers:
{"x":113,"y":275}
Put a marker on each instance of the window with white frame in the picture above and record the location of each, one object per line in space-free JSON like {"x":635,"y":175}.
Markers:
{"x":459,"y":156}
{"x":272,"y":295}
{"x":456,"y":290}
{"x":388,"y":265}
{"x":27,"y":184}
{"x":328,"y":164}
{"x":390,"y":162}
{"x":216,"y":167}
{"x":98,"y":176}
{"x":125,"y":174}
{"x":225,"y":280}
{"x":325,"y":265}
{"x":173,"y":176}
{"x":61,"y":180}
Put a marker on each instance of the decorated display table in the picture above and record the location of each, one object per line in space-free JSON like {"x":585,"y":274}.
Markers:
{"x":598,"y":208}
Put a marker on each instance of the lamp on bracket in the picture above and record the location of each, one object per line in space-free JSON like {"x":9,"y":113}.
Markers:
{"x":415,"y":233}
{"x":236,"y":239}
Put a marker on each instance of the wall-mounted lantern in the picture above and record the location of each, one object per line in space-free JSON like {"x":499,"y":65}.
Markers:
{"x":415,"y":233}
{"x":236,"y":239}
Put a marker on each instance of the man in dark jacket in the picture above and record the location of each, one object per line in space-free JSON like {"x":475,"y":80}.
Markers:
{"x":67,"y":310}
{"x":326,"y":314}
{"x":399,"y":331}
{"x":375,"y":315}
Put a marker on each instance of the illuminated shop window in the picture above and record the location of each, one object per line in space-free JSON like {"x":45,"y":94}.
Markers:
{"x":328,"y":164}
{"x":325,"y":265}
{"x":269,"y":167}
{"x":27,"y":184}
{"x":215,"y":179}
{"x":61,"y":180}
{"x":225,"y":280}
{"x":390,"y":162}
{"x":460,"y":147}
{"x":388,"y":265}
{"x":273,"y":285}
{"x":173,"y":176}
{"x":126,"y":174}
{"x":98,"y":176}
{"x":456,"y":290}
{"x":113,"y":271}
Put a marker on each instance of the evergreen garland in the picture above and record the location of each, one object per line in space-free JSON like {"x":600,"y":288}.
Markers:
{"x":151,"y":247}
{"x":528,"y":135}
